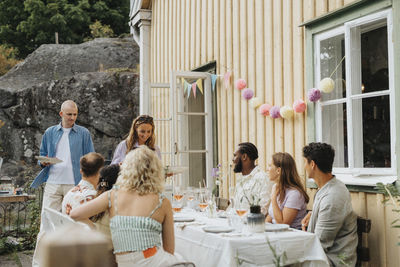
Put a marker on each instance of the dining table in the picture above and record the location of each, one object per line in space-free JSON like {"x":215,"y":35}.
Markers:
{"x":211,"y":240}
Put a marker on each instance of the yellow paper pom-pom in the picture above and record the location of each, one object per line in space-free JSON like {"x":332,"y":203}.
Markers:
{"x":255,"y":102}
{"x":286,"y":112}
{"x":326,"y":85}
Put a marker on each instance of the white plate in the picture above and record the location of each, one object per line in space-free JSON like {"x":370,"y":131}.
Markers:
{"x":48,"y":160}
{"x":217,"y":229}
{"x":269,"y":227}
{"x":183,"y":219}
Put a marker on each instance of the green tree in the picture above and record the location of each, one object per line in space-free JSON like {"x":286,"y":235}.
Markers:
{"x":28,"y":24}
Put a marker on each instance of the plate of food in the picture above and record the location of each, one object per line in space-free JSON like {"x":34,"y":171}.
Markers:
{"x":270,"y":227}
{"x":217,"y":229}
{"x":44,"y":159}
{"x":182,"y":218}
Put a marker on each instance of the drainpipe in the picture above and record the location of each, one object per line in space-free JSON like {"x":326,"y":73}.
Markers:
{"x":141,"y":28}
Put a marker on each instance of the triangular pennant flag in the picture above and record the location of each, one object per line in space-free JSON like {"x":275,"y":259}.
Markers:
{"x":227,"y":79}
{"x":199,"y":83}
{"x":213,"y":81}
{"x":194,"y":89}
{"x":189,"y":88}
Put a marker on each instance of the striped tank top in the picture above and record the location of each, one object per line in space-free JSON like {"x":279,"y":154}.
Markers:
{"x":134,"y":233}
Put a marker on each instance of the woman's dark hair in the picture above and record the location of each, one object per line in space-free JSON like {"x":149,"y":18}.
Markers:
{"x":322,"y":154}
{"x":108,"y":177}
{"x":289,"y":177}
{"x":91,"y":163}
{"x":249,"y":149}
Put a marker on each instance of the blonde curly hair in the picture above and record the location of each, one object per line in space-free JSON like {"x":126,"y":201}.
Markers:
{"x":142,"y":171}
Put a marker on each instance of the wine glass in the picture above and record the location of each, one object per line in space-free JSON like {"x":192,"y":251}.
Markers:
{"x":204,"y":199}
{"x":176,"y":206}
{"x":241,"y":208}
{"x":178,"y":193}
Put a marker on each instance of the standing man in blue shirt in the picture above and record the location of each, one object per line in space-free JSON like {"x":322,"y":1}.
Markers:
{"x":67,"y":142}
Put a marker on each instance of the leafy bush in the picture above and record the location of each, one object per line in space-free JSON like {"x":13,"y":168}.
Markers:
{"x":7,"y":61}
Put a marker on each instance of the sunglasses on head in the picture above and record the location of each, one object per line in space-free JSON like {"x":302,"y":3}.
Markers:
{"x":145,"y":118}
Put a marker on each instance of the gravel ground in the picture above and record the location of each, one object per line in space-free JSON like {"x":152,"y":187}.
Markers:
{"x":19,"y":259}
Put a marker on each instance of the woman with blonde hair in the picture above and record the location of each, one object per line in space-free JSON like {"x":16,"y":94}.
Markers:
{"x":141,"y":133}
{"x":139,"y":215}
{"x":289,"y":198}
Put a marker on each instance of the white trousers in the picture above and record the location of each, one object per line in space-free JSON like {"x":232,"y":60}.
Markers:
{"x":52,"y":198}
{"x":136,"y":259}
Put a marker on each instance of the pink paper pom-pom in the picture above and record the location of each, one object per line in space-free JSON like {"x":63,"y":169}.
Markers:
{"x":264,"y":109}
{"x":247,"y":93}
{"x":274,"y":112}
{"x":240,"y":84}
{"x":314,"y":94}
{"x":299,"y":106}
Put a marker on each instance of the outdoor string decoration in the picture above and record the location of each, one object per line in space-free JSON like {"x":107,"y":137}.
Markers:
{"x":326,"y":85}
{"x":265,"y":109}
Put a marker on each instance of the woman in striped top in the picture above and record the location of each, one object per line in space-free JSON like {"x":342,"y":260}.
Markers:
{"x":140,"y":215}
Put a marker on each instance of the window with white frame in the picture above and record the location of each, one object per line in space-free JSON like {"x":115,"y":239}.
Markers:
{"x":357,"y":117}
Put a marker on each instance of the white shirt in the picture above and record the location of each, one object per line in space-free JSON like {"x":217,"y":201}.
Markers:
{"x":257,"y":185}
{"x":61,"y":173}
{"x":78,"y":195}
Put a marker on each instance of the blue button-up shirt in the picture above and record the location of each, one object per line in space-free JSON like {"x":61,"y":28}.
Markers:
{"x":80,"y":143}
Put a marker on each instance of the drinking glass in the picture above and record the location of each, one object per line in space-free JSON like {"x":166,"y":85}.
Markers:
{"x":178,"y":193}
{"x":176,"y":206}
{"x":204,"y":199}
{"x":241,"y":208}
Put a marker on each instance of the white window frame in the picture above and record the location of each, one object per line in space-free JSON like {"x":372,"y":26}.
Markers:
{"x":353,"y":175}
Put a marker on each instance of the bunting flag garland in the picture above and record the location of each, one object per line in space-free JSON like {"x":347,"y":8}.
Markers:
{"x":199,"y":84}
{"x":194,"y":89}
{"x":227,"y":79}
{"x":213,"y":81}
{"x":188,"y":88}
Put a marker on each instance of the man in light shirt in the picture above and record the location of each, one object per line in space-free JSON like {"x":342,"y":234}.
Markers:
{"x":254,"y":185}
{"x":67,"y":142}
{"x":332,"y":218}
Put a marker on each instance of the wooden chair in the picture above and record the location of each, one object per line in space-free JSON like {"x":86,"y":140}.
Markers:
{"x":363,"y":227}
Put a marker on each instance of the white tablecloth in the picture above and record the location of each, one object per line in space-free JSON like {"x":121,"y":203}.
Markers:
{"x":209,"y":249}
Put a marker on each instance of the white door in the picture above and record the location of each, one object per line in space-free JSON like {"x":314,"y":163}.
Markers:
{"x":191,"y":131}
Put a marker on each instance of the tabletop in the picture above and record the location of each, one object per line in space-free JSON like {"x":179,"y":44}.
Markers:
{"x":244,"y":248}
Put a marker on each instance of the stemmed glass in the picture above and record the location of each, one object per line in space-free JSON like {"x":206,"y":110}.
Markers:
{"x":204,"y":199}
{"x":178,"y":193}
{"x":241,"y":208}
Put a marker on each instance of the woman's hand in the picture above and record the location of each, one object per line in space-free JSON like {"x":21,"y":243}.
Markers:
{"x":305,"y":221}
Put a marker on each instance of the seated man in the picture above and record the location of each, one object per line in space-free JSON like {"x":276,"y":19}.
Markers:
{"x":86,"y":189}
{"x":332,"y":218}
{"x":254,"y":185}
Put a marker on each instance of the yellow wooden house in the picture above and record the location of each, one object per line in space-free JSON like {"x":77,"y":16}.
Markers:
{"x":193,"y":51}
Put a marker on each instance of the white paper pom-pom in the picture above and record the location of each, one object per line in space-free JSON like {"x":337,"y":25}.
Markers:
{"x":255,"y":102}
{"x":326,"y":85}
{"x":286,"y":112}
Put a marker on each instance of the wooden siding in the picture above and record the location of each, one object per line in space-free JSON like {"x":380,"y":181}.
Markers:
{"x":260,"y":41}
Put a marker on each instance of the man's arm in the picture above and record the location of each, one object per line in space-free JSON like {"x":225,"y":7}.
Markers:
{"x":44,"y":149}
{"x":329,"y":222}
{"x":88,"y":143}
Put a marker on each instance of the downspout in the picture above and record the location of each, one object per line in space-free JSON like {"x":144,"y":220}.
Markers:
{"x":140,"y":24}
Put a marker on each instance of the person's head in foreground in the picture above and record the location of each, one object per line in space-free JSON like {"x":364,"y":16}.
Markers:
{"x":142,"y":171}
{"x":91,"y":164}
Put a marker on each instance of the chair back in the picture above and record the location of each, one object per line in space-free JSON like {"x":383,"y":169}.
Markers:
{"x":55,"y":220}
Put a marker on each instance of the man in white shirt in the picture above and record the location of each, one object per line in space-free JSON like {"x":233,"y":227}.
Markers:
{"x":67,"y":142}
{"x":254,"y":186}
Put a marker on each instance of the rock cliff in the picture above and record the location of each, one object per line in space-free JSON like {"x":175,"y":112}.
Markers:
{"x":98,"y":75}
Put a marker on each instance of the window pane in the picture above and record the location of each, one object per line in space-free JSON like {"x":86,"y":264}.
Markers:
{"x":374,"y":61}
{"x":334,"y":132}
{"x":331,"y":53}
{"x":375,"y":125}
